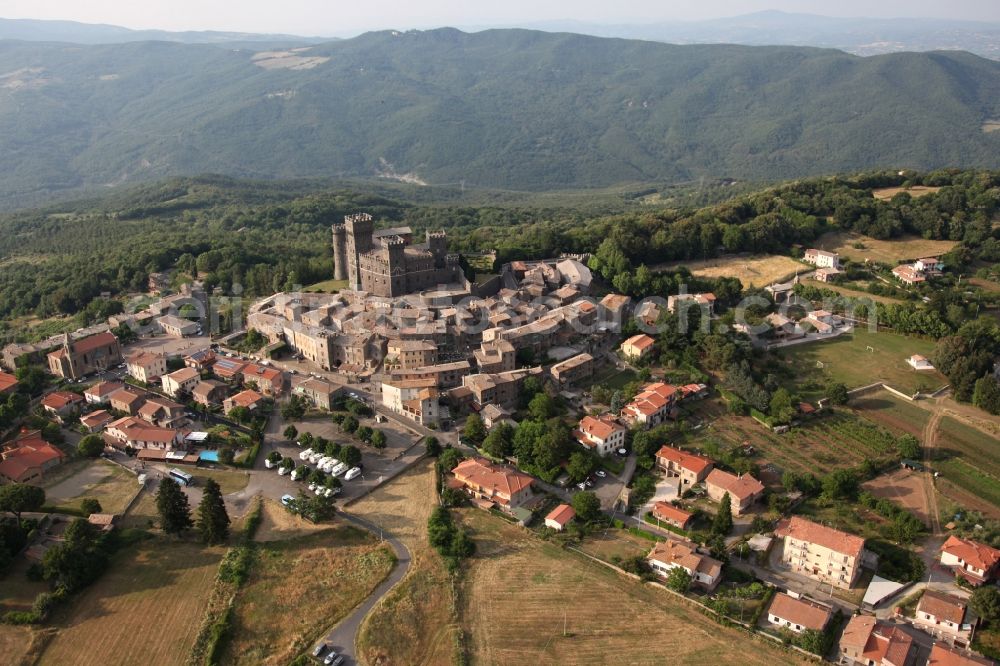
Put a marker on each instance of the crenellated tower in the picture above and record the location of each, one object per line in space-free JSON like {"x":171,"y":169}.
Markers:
{"x":339,"y":252}
{"x":360,"y":227}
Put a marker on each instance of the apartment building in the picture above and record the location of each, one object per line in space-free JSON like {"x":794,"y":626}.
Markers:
{"x":602,"y":434}
{"x":821,"y":553}
{"x":691,"y":467}
{"x":146,"y":367}
{"x":409,"y":354}
{"x":416,"y":399}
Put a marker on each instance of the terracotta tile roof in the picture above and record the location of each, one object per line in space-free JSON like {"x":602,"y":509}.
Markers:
{"x":127,"y":396}
{"x":92,"y":342}
{"x":669,"y":512}
{"x":562,"y":514}
{"x":601,"y":427}
{"x":892,"y":645}
{"x":857,"y":632}
{"x":942,"y":606}
{"x":7,"y":381}
{"x":689,"y":461}
{"x":97,"y":418}
{"x":143,"y":358}
{"x":641,"y":342}
{"x":60,"y":399}
{"x":739,"y":487}
{"x":801,"y":529}
{"x":942,"y":655}
{"x":977,"y":554}
{"x":246,"y":398}
{"x":183,"y":375}
{"x":496,"y":478}
{"x":136,"y":430}
{"x":802,"y":612}
{"x":102,"y":389}
{"x":256,"y":372}
{"x":26,"y":453}
{"x":685,"y":555}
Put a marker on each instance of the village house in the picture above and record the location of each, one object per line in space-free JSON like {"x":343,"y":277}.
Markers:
{"x":228,"y":369}
{"x":942,"y":655}
{"x":27,"y":458}
{"x":493,"y":415}
{"x":162,"y":412}
{"x":690,"y":467}
{"x":743,"y":489}
{"x":665,"y":512}
{"x":127,"y":400}
{"x":8,"y":383}
{"x":269,"y":381}
{"x":946,"y":618}
{"x":573,"y":369}
{"x":653,"y":405}
{"x":146,"y":367}
{"x":408,"y":354}
{"x":133,"y":432}
{"x":602,"y":434}
{"x":200,"y":360}
{"x":798,"y":614}
{"x":446,"y":375}
{"x":822,"y":258}
{"x":78,"y":358}
{"x":178,"y":327}
{"x":929,"y":265}
{"x":704,"y":301}
{"x":180,"y":381}
{"x":820,"y":552}
{"x":248,"y":398}
{"x":492,"y":485}
{"x":503,"y":389}
{"x":705,"y":571}
{"x":560,"y":517}
{"x":95,"y":421}
{"x":827,"y":274}
{"x":209,"y":392}
{"x":495,"y":357}
{"x":416,"y":399}
{"x":908,"y":275}
{"x":918,"y":362}
{"x":318,"y":392}
{"x":62,"y":404}
{"x":613,"y":310}
{"x":638,"y":347}
{"x":974,"y":561}
{"x":100,"y":393}
{"x":868,"y":642}
{"x":781,"y":326}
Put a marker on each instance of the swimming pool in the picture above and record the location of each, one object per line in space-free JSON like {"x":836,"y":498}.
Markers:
{"x":210,"y":456}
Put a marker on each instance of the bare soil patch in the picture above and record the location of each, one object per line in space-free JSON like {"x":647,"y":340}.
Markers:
{"x":279,"y":524}
{"x":883,"y":251}
{"x":759,"y":271}
{"x":904,"y":487}
{"x":916,"y":191}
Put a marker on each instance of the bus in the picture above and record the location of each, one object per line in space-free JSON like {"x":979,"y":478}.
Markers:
{"x":182,"y":478}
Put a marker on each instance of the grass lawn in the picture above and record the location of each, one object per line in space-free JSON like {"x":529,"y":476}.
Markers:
{"x":970,"y":459}
{"x":146,"y":609}
{"x":106,"y":482}
{"x":299,"y":588}
{"x":16,"y":591}
{"x":607,"y":544}
{"x":327,"y":286}
{"x":524,"y":596}
{"x":758,"y":271}
{"x":847,"y":359}
{"x":416,"y":623}
{"x":230,"y":481}
{"x":613,"y":378}
{"x":892,"y":412}
{"x":143,"y":512}
{"x":884,"y":251}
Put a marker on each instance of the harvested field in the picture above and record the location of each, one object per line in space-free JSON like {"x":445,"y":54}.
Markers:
{"x":20,"y":646}
{"x":17,"y":592}
{"x":608,"y":544}
{"x":146,"y":609}
{"x":849,"y":359}
{"x":278,"y":524}
{"x":142,"y":513}
{"x":300,"y":587}
{"x":416,"y":622}
{"x":894,"y":413}
{"x":883,"y":251}
{"x":106,"y":482}
{"x":555,"y":607}
{"x":230,"y":481}
{"x":917,"y":191}
{"x":904,"y":487}
{"x":759,"y":271}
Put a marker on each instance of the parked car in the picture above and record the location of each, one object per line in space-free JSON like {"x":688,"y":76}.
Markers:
{"x":319,"y":649}
{"x":582,"y":485}
{"x":601,"y":473}
{"x":353,"y":473}
{"x":589,"y":483}
{"x":331,"y":657}
{"x":287,"y":499}
{"x":622,"y":452}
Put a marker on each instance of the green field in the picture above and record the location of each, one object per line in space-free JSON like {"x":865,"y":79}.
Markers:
{"x":613,"y":378}
{"x":970,"y":459}
{"x":892,"y":412}
{"x":847,"y":359}
{"x":327,"y":286}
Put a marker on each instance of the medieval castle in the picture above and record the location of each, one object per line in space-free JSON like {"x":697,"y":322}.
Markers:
{"x":386,"y":262}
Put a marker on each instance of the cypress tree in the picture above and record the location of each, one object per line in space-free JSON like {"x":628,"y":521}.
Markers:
{"x":172,"y":505}
{"x":213,"y":521}
{"x":723,"y":522}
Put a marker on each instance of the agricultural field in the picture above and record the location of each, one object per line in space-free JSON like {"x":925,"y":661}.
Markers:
{"x":146,"y":609}
{"x":917,"y":191}
{"x":858,"y":359}
{"x":892,"y":412}
{"x":856,"y":293}
{"x":969,"y":459}
{"x":300,"y":587}
{"x":524,"y":596}
{"x":106,"y":482}
{"x":883,"y":251}
{"x":758,"y":271}
{"x":816,"y":447}
{"x":20,"y":645}
{"x":615,"y":543}
{"x":416,"y":622}
{"x":906,"y":488}
{"x":17,"y":591}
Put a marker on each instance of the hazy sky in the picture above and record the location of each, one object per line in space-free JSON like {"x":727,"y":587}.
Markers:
{"x":335,"y":17}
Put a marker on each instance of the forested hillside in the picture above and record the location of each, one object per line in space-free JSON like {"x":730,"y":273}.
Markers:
{"x":504,"y":108}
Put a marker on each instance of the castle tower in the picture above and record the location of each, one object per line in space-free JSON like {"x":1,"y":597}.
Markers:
{"x":339,"y":252}
{"x":396,"y":249}
{"x":359,"y":240}
{"x":437,"y":244}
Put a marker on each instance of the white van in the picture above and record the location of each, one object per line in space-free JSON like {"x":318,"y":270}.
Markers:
{"x":353,"y":473}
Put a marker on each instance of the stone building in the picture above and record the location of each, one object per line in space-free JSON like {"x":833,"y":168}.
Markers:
{"x":387,"y":263}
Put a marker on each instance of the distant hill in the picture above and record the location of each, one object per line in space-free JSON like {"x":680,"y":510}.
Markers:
{"x":860,"y":36}
{"x":34,"y":30}
{"x":511,"y":109}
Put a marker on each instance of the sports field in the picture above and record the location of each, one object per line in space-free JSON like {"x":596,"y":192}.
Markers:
{"x":759,"y":271}
{"x":523,"y":596}
{"x":883,"y":251}
{"x":146,"y":609}
{"x":858,"y":359}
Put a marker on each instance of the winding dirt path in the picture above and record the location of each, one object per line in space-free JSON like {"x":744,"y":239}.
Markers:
{"x":929,"y":443}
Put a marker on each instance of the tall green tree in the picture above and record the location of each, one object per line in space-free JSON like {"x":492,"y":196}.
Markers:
{"x":173,"y":507}
{"x":586,"y":505}
{"x":723,"y":522}
{"x":213,"y":520}
{"x":90,"y":446}
{"x":17,"y":498}
{"x":474,"y":430}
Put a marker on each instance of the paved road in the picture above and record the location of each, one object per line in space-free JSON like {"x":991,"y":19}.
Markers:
{"x":343,"y":637}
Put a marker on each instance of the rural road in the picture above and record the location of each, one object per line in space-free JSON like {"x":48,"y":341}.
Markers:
{"x":342,"y":637}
